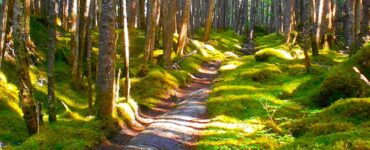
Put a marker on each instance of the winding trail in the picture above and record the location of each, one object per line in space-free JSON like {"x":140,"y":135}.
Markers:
{"x":179,"y":128}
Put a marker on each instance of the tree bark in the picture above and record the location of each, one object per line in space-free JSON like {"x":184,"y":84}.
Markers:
{"x":154,"y":17}
{"x":105,"y":93}
{"x":133,"y":13}
{"x":3,"y":24}
{"x":26,"y":99}
{"x":184,"y":28}
{"x":142,"y":14}
{"x":74,"y":43}
{"x":349,"y":27}
{"x":64,"y":18}
{"x":90,"y":28}
{"x":126,"y":51}
{"x":168,"y":24}
{"x":365,"y":22}
{"x":253,"y":14}
{"x":51,"y":59}
{"x":209,"y":23}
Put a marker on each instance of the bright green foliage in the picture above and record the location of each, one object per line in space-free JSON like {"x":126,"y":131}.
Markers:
{"x":262,"y":105}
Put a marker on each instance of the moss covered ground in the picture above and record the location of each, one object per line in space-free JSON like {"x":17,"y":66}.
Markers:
{"x":76,"y":127}
{"x":268,"y":101}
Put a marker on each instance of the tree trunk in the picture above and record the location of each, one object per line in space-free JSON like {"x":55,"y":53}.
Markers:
{"x":74,"y":43}
{"x":51,"y":59}
{"x":168,"y":24}
{"x":350,"y":22}
{"x":26,"y":99}
{"x":209,"y":23}
{"x":133,"y":14}
{"x":365,"y":22}
{"x":253,"y":14}
{"x":305,"y":15}
{"x":105,"y":93}
{"x":90,"y":29}
{"x":65,"y":15}
{"x":154,"y":17}
{"x":84,"y":7}
{"x":184,"y":28}
{"x":3,"y":23}
{"x":142,"y":14}
{"x":126,"y":51}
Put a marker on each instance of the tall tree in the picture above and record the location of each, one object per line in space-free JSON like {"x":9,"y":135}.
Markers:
{"x":133,"y":13}
{"x":3,"y":24}
{"x":153,"y":20}
{"x":82,"y":28}
{"x":168,"y":25}
{"x":26,"y":99}
{"x":349,"y":25}
{"x":105,"y":93}
{"x":209,"y":23}
{"x":51,"y":59}
{"x":305,"y":15}
{"x":126,"y":52}
{"x":74,"y":43}
{"x":184,"y":28}
{"x":253,"y":19}
{"x":142,"y":13}
{"x":365,"y":21}
{"x":90,"y":28}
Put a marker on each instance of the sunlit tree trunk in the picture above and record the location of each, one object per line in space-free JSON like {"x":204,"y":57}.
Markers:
{"x":105,"y":93}
{"x":26,"y":99}
{"x":126,"y":51}
{"x":3,"y":23}
{"x":153,"y":17}
{"x":51,"y":59}
{"x":184,"y":28}
{"x":209,"y":23}
{"x":64,"y":18}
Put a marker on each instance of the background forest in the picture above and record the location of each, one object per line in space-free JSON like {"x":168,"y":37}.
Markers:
{"x":77,"y":74}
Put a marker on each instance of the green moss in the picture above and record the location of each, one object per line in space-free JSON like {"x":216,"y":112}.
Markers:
{"x":343,"y":82}
{"x":271,"y":54}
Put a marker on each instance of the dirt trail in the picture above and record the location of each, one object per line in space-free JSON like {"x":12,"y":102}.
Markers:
{"x":179,"y":128}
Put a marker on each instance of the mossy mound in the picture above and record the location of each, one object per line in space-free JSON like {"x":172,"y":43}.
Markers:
{"x":271,"y":54}
{"x":343,"y":82}
{"x":344,"y":121}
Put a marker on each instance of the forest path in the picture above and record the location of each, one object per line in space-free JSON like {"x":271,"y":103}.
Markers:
{"x":179,"y":128}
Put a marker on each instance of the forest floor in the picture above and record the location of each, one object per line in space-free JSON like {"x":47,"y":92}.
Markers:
{"x":180,"y":127}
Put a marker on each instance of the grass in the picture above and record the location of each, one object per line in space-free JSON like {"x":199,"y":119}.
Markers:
{"x":264,"y":104}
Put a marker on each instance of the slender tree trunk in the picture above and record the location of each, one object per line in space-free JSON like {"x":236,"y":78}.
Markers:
{"x":74,"y":43}
{"x":3,"y":23}
{"x":319,"y":18}
{"x":90,"y":29}
{"x":120,"y":14}
{"x":126,"y":51}
{"x":51,"y":59}
{"x":65,"y":15}
{"x":133,"y":13}
{"x":252,"y":22}
{"x":365,"y":22}
{"x":209,"y":23}
{"x":142,"y":14}
{"x":306,"y":31}
{"x":105,"y":93}
{"x":350,"y":22}
{"x":168,"y":24}
{"x":151,"y":29}
{"x":26,"y":99}
{"x":84,"y":11}
{"x":184,"y":28}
